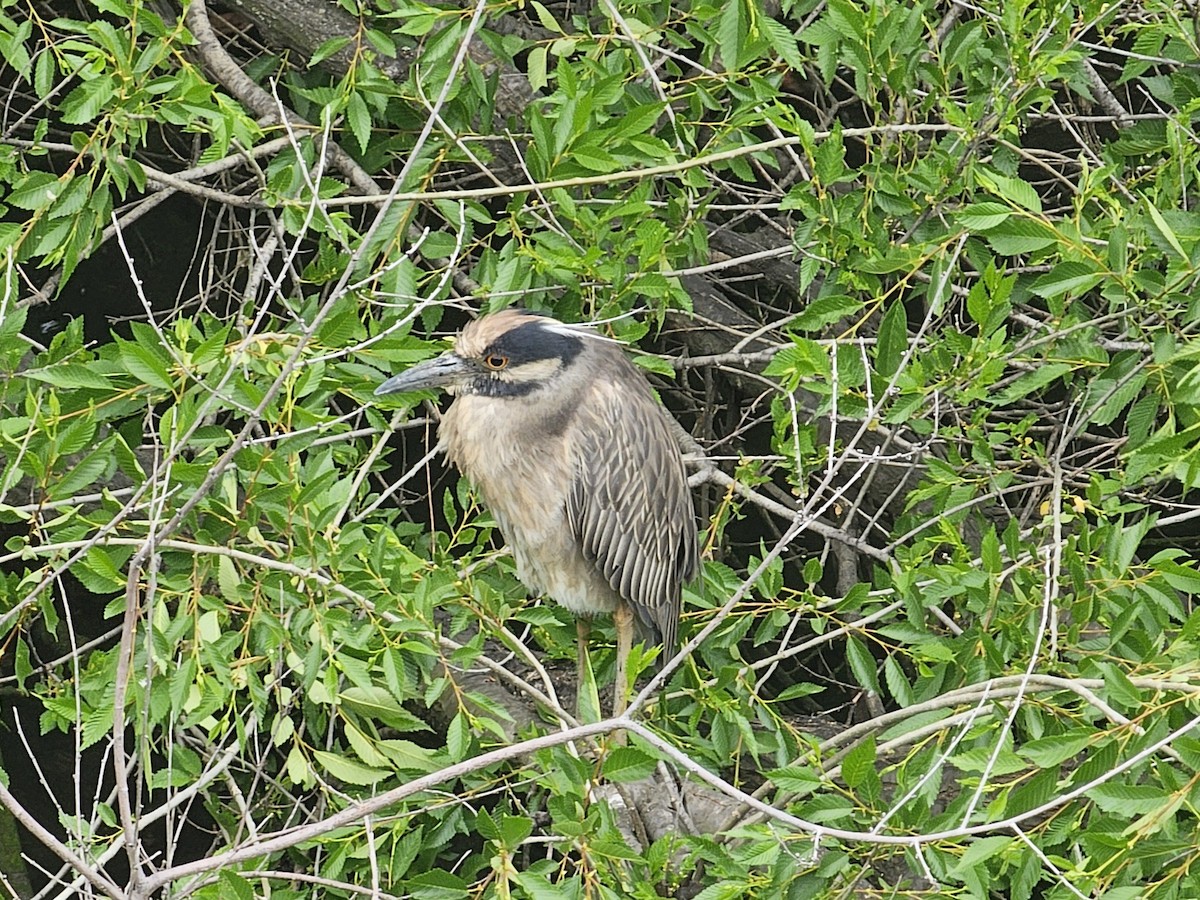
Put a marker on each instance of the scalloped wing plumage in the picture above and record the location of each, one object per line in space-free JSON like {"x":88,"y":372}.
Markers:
{"x":629,"y":506}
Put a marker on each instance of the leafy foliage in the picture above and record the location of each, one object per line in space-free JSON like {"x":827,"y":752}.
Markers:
{"x":948,"y":634}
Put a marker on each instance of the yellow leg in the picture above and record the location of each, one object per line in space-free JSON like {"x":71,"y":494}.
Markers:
{"x":583,"y":629}
{"x":623,"y":620}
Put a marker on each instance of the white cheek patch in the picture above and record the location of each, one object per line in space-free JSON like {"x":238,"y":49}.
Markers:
{"x":537,"y":370}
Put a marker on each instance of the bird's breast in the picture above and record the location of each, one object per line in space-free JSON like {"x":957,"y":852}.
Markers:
{"x":524,"y":470}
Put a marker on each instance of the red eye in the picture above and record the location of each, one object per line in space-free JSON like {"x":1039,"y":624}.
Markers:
{"x":495,"y":362}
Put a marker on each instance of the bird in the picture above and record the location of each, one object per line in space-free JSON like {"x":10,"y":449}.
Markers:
{"x":570,"y":450}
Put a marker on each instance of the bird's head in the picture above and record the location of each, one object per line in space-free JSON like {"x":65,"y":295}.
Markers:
{"x":508,"y":354}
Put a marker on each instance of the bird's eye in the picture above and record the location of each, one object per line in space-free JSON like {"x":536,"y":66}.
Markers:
{"x":495,"y":361}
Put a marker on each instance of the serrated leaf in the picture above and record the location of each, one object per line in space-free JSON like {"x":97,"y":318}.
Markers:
{"x":144,"y":365}
{"x":545,"y":18}
{"x":70,"y":375}
{"x":229,"y":580}
{"x":862,"y":664}
{"x":35,"y":191}
{"x":100,"y":564}
{"x":798,"y":780}
{"x":824,"y":311}
{"x":296,"y":765}
{"x":983,"y":216}
{"x":514,"y":830}
{"x":896,"y":681}
{"x":625,"y":764}
{"x":981,"y":849}
{"x":1067,"y":278}
{"x":859,"y":764}
{"x":208,"y":627}
{"x":364,"y":746}
{"x":85,"y":102}
{"x":799,"y":689}
{"x":378,"y":703}
{"x":1030,"y":382}
{"x":358,"y":117}
{"x":783,"y":42}
{"x":22,"y":665}
{"x":458,"y":737}
{"x":731,"y":33}
{"x":327,"y":49}
{"x":234,"y":886}
{"x":1121,"y":690}
{"x":1050,"y":752}
{"x":1167,"y":232}
{"x":406,"y":755}
{"x":82,"y":475}
{"x":1017,"y":236}
{"x":594,"y":160}
{"x":1129,"y":799}
{"x":1015,"y":190}
{"x":348,"y":770}
{"x":535,"y":67}
{"x":892,"y":341}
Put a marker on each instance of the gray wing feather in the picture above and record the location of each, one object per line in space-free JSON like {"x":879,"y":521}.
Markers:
{"x":630,"y":506}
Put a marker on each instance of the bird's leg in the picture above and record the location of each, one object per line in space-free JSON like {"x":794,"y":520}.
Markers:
{"x":623,"y":620}
{"x":583,"y":629}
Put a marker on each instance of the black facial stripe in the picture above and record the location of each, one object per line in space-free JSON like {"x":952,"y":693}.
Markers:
{"x":532,"y":342}
{"x":489,"y":386}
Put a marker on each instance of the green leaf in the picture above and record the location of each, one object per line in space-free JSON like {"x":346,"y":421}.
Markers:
{"x":1032,"y":381}
{"x":105,"y":576}
{"x":799,"y":689}
{"x":407,"y":756}
{"x":1051,"y":752}
{"x":783,"y":42}
{"x":545,"y":18}
{"x":625,"y":764}
{"x":731,"y":33}
{"x":234,"y":886}
{"x":458,"y":737}
{"x":897,"y":683}
{"x":297,"y":766}
{"x":514,"y":830}
{"x":85,"y":102}
{"x":22,"y":665}
{"x":980,"y":850}
{"x":859,"y":764}
{"x":535,"y":67}
{"x":82,"y":475}
{"x":824,"y":311}
{"x":798,"y":780}
{"x":71,"y":376}
{"x":327,"y":49}
{"x":1129,"y":799}
{"x":1167,"y":232}
{"x":1067,"y":278}
{"x":35,"y":191}
{"x":1016,"y":190}
{"x":862,"y":664}
{"x":229,"y":580}
{"x":1121,"y":691}
{"x":377,"y":703}
{"x":144,"y":365}
{"x":1018,"y":236}
{"x":983,"y":216}
{"x":437,"y":885}
{"x":358,"y":117}
{"x":348,"y":770}
{"x":892,"y":341}
{"x":829,"y":160}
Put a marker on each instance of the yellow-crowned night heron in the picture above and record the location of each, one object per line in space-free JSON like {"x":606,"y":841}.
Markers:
{"x":574,"y":456}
